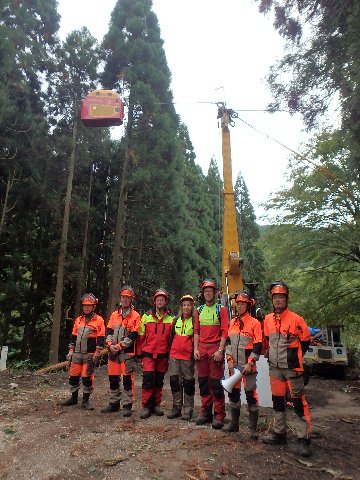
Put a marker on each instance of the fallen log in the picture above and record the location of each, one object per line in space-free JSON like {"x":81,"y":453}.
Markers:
{"x":61,"y":365}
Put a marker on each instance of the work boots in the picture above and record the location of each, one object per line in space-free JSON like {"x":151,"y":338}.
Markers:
{"x":175,"y":413}
{"x":111,"y":408}
{"x":127,"y":410}
{"x":145,"y":413}
{"x":158,"y":411}
{"x":187,"y":415}
{"x":85,"y":402}
{"x":217,"y":424}
{"x":73,"y":400}
{"x":204,"y":419}
{"x":253,"y":419}
{"x":304,"y":447}
{"x":273,"y":438}
{"x":234,"y":424}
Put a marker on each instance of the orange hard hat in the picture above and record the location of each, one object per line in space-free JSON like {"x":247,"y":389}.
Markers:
{"x":208,"y":282}
{"x":127,"y":291}
{"x":89,"y":299}
{"x":243,"y":296}
{"x":279,"y":287}
{"x":186,"y":297}
{"x":161,"y":292}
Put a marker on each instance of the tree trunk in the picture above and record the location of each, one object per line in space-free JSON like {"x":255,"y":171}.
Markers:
{"x":5,"y":200}
{"x":118,"y":248}
{"x":84,"y":252}
{"x":55,"y":331}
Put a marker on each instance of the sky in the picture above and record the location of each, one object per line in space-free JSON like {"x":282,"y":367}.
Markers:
{"x":217,"y":51}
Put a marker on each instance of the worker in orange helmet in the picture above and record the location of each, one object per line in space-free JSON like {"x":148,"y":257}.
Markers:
{"x":153,"y":348}
{"x":289,"y":338}
{"x":121,"y":333}
{"x":242,"y":353}
{"x":87,"y":341}
{"x":181,"y":364}
{"x":210,"y":334}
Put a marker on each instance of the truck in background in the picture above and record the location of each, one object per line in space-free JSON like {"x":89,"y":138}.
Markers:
{"x":327,"y":353}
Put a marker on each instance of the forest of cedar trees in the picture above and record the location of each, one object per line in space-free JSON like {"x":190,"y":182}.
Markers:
{"x":82,"y":212}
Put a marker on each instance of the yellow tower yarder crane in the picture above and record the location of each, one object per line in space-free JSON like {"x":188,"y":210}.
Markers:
{"x":231,"y":261}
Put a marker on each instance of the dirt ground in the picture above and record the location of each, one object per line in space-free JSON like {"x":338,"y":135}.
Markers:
{"x":41,"y":440}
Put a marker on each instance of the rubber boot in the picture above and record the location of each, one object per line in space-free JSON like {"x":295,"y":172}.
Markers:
{"x":73,"y":400}
{"x":111,"y":408}
{"x":253,"y":419}
{"x":234,"y":424}
{"x":304,"y":447}
{"x":127,"y":410}
{"x":273,"y":438}
{"x":85,"y":402}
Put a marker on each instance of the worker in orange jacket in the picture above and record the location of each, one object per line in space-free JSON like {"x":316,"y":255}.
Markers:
{"x":87,"y":341}
{"x":121,"y":333}
{"x":182,"y":364}
{"x":210,"y":334}
{"x":289,"y":338}
{"x":243,"y":352}
{"x":153,"y":348}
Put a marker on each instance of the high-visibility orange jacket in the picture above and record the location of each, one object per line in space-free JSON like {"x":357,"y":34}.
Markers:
{"x":123,"y":324}
{"x":88,"y":335}
{"x":211,"y":326}
{"x":245,"y":340}
{"x":289,"y":337}
{"x":154,"y":334}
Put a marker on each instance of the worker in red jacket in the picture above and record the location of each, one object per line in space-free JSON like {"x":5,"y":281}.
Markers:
{"x":210,"y":334}
{"x":121,"y":333}
{"x":289,"y":338}
{"x":87,"y":341}
{"x":181,"y":364}
{"x":243,"y":352}
{"x":153,"y":348}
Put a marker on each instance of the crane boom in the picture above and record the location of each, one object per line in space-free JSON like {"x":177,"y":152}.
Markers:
{"x":231,"y":262}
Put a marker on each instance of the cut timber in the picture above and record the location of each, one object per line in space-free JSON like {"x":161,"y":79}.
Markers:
{"x":61,"y":365}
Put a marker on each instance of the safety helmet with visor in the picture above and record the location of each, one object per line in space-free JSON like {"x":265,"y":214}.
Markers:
{"x":89,"y":299}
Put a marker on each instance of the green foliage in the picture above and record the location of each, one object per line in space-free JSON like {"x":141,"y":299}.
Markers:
{"x":318,"y":223}
{"x":322,"y":40}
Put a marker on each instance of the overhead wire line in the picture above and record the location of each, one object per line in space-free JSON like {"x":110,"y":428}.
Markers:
{"x":327,"y":173}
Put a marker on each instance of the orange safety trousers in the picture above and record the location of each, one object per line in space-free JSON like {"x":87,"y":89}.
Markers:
{"x":293,"y":383}
{"x":115,"y":370}
{"x":82,"y":365}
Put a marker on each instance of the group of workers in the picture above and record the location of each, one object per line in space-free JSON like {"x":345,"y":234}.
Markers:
{"x":203,"y":337}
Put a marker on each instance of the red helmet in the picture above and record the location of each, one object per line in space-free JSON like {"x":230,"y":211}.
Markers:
{"x":127,"y":291}
{"x":208,"y":282}
{"x":161,"y":292}
{"x":279,"y":287}
{"x":243,"y":296}
{"x":89,"y":299}
{"x":186,"y":297}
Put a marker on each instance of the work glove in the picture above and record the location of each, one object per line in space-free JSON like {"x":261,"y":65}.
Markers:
{"x":126,"y":342}
{"x":96,"y":357}
{"x":69,"y":355}
{"x":114,"y":349}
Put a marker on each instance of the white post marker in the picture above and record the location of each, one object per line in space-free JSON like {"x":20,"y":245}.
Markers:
{"x":3,"y":358}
